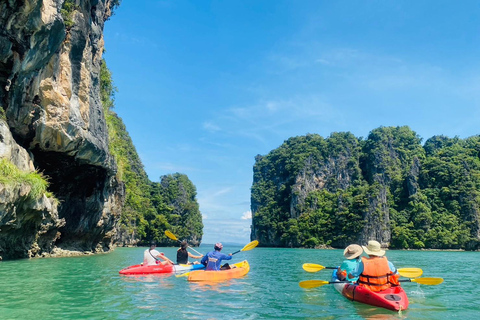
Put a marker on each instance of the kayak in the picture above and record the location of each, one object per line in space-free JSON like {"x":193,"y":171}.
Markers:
{"x":158,"y":268}
{"x":393,"y":298}
{"x":237,"y":270}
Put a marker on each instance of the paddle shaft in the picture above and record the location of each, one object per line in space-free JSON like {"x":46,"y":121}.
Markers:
{"x":401,"y":280}
{"x":309,"y":284}
{"x":173,"y":237}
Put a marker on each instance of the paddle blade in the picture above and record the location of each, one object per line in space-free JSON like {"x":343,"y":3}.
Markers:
{"x":309,"y":284}
{"x":182,"y":275}
{"x":312,"y":267}
{"x":250,"y":245}
{"x":170,"y":235}
{"x":428,"y":281}
{"x":410,"y":272}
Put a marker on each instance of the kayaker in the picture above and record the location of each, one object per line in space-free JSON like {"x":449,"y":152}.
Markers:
{"x":352,"y":253}
{"x":183,"y":254}
{"x":375,"y":271}
{"x":213,"y":259}
{"x":152,"y":256}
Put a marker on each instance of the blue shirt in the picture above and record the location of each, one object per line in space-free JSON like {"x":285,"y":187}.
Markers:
{"x":213,"y":260}
{"x":349,"y":266}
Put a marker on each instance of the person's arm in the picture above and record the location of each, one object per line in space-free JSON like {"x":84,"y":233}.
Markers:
{"x":341,"y":273}
{"x":163,"y":257}
{"x":392,"y":267}
{"x":227,"y":257}
{"x":194,"y":257}
{"x":204,"y":260}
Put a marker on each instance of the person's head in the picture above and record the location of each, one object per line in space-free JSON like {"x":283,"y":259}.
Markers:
{"x":374,"y":248}
{"x":152,"y":244}
{"x":218,"y":246}
{"x":183,"y":245}
{"x":352,"y":251}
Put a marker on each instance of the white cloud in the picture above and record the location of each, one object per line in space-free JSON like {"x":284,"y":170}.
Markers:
{"x":247,"y":215}
{"x":226,"y":230}
{"x":210,"y":126}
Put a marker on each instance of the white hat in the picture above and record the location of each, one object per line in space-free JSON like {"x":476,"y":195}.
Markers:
{"x":352,"y":251}
{"x":373,"y":248}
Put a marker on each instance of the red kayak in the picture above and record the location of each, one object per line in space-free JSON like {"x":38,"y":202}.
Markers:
{"x":394,"y":298}
{"x":158,"y":268}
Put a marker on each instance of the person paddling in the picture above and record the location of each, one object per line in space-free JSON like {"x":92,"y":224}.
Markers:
{"x":352,"y":255}
{"x":183,"y":254}
{"x":213,"y":259}
{"x":152,"y":256}
{"x":375,"y":271}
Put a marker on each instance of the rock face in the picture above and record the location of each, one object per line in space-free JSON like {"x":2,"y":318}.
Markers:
{"x":50,"y":94}
{"x":359,"y":184}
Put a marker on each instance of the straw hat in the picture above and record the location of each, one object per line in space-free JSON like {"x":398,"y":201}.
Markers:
{"x":373,"y":248}
{"x":352,"y":251}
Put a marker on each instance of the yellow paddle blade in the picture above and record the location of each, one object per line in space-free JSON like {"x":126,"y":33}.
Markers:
{"x":312,"y":267}
{"x":250,"y":245}
{"x":170,"y":235}
{"x":410,"y":272}
{"x":428,"y":281}
{"x":182,"y":275}
{"x":309,"y":284}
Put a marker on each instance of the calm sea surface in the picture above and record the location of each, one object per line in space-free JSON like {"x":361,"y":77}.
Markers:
{"x":90,"y":288}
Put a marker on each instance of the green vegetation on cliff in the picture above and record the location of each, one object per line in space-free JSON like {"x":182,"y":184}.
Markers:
{"x":150,"y":207}
{"x":10,"y":174}
{"x":313,"y":191}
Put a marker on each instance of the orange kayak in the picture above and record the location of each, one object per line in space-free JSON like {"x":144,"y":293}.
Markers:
{"x":238,"y":270}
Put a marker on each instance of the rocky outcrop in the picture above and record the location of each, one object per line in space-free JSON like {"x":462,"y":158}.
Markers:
{"x":49,"y":90}
{"x":28,"y":225}
{"x":313,"y":191}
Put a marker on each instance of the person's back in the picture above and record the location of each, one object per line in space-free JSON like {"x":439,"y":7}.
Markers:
{"x":352,"y":254}
{"x":182,"y":256}
{"x":348,"y":266}
{"x":375,"y":271}
{"x":213,"y":259}
{"x":149,"y":257}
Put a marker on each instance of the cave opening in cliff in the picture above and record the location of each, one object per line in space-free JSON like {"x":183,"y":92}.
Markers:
{"x":80,"y":190}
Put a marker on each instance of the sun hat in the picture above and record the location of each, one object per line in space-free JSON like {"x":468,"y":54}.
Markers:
{"x":352,"y":251}
{"x":373,"y":248}
{"x":218,"y":246}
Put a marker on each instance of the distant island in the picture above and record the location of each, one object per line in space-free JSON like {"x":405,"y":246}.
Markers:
{"x":317,"y":192}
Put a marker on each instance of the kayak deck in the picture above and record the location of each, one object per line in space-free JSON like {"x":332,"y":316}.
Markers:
{"x":158,"y":268}
{"x":393,"y":298}
{"x":237,"y":270}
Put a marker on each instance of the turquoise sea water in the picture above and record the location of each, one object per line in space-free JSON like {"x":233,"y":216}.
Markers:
{"x":90,"y":288}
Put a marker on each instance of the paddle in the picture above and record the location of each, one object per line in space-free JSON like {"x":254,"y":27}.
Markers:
{"x":309,"y":284}
{"x":172,"y":236}
{"x":247,"y":247}
{"x":404,"y":272}
{"x":312,"y":267}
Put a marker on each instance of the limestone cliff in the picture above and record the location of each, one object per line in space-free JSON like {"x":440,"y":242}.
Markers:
{"x":315,"y":192}
{"x":49,"y":92}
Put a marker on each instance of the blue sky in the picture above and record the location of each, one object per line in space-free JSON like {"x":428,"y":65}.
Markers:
{"x":205,"y":86}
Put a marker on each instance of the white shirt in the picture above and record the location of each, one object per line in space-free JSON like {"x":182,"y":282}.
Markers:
{"x":148,"y":257}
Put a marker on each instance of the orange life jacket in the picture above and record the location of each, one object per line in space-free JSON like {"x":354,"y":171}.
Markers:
{"x":376,"y":274}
